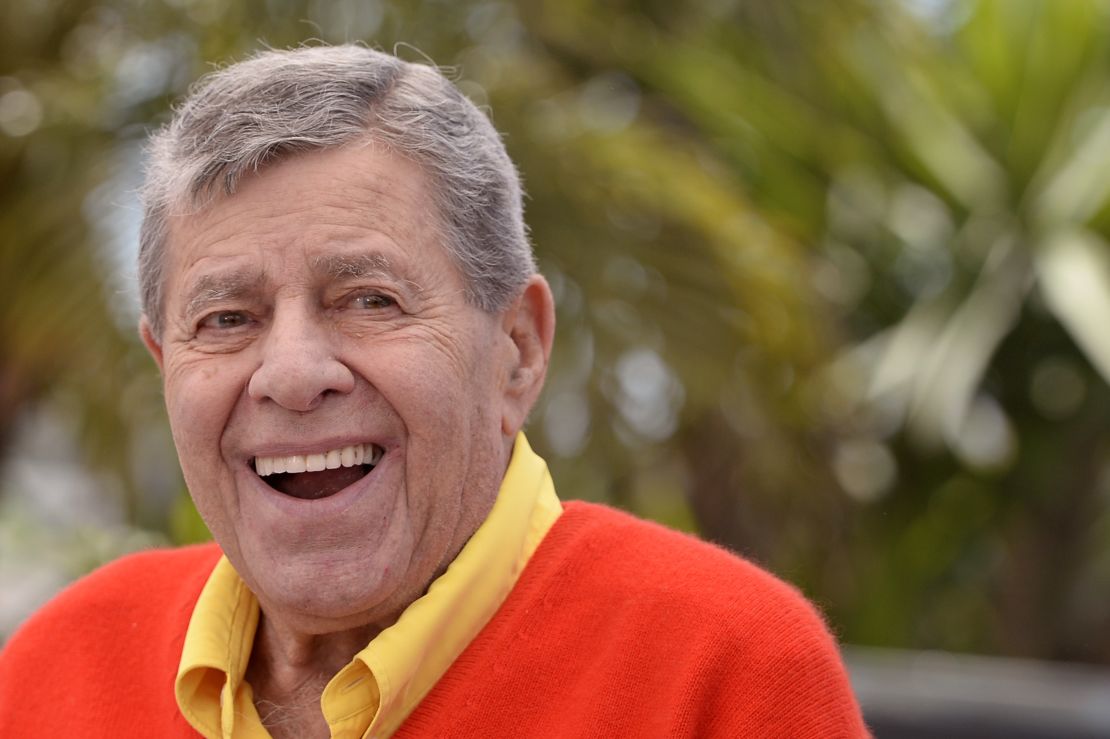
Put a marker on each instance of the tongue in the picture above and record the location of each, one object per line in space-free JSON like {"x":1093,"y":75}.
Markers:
{"x":312,"y":485}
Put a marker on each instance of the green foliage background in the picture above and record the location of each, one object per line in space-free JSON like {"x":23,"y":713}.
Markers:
{"x":833,"y":279}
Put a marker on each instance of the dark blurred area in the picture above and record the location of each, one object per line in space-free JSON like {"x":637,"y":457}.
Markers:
{"x":833,"y":286}
{"x":926,"y":695}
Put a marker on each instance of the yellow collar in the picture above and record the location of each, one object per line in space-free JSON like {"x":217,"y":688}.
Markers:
{"x":378,"y":689}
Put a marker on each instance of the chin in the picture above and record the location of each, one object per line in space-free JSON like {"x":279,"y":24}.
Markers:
{"x":336,"y":592}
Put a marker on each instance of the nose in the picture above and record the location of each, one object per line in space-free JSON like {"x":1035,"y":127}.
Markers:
{"x":298,"y":368}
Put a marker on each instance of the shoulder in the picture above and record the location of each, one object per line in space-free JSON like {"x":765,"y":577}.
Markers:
{"x":140,"y":577}
{"x":738,"y":628}
{"x":742,"y":652}
{"x":654,"y":561}
{"x":640,"y":576}
{"x":64,"y":669}
{"x":139,"y":591}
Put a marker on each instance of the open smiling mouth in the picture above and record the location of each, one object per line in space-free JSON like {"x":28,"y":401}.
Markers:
{"x":313,"y":476}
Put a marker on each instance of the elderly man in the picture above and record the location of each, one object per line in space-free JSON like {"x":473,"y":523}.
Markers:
{"x":339,"y":292}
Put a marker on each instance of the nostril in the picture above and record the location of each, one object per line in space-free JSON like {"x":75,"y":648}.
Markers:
{"x":299,"y":381}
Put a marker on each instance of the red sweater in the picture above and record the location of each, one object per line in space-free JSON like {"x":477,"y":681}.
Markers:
{"x":616,"y":628}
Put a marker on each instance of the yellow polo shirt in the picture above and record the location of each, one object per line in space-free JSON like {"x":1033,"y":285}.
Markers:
{"x":377,"y":690}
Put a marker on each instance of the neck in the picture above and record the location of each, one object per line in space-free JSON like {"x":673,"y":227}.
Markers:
{"x":289,"y":669}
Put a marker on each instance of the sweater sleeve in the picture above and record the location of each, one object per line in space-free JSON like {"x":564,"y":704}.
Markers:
{"x":788,"y":670}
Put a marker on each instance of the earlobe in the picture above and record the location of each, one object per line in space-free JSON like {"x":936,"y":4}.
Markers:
{"x":150,"y":341}
{"x":530,"y":326}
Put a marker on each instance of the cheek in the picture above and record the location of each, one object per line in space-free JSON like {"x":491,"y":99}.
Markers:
{"x":443,"y":400}
{"x":199,"y":399}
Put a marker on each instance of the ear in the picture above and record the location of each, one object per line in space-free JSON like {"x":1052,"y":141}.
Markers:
{"x":529,"y":324}
{"x":150,"y":341}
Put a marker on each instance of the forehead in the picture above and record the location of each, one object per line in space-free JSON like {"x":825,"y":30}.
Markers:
{"x":334,"y":212}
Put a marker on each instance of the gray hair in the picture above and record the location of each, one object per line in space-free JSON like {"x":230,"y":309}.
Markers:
{"x":276,"y":104}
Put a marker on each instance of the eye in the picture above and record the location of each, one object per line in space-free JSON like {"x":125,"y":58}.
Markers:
{"x":224,"y":320}
{"x":370,"y":301}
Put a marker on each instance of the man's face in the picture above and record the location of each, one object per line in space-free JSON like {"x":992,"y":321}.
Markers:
{"x":313,"y":319}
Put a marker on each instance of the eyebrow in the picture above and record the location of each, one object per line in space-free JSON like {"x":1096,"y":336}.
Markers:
{"x":210,"y":289}
{"x":351,"y":265}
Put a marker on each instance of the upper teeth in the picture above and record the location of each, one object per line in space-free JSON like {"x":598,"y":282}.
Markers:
{"x":347,"y":456}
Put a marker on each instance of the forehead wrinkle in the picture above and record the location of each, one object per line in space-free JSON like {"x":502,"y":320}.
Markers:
{"x":214,"y":288}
